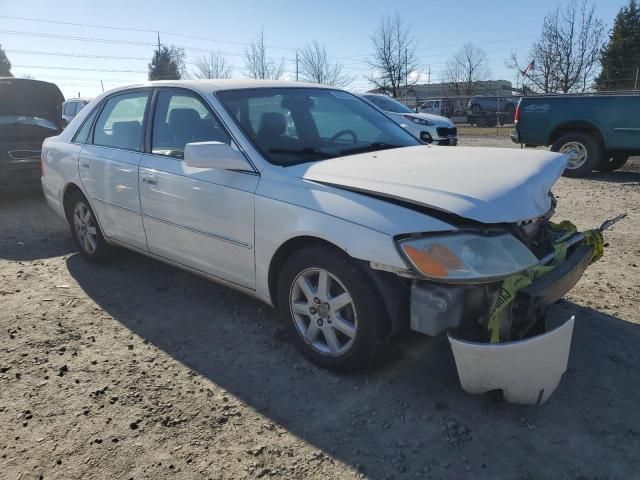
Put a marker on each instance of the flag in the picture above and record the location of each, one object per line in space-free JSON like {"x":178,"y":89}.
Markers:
{"x":531,"y":66}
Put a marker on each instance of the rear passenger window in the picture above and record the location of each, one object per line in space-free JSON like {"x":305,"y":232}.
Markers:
{"x":179,"y":119}
{"x":120,"y":122}
{"x":82,"y":136}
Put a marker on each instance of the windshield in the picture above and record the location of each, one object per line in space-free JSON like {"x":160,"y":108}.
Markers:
{"x":388,"y":104}
{"x":29,"y":120}
{"x":299,"y":125}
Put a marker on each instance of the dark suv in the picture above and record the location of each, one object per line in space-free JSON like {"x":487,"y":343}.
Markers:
{"x":30,"y":111}
{"x":486,"y":111}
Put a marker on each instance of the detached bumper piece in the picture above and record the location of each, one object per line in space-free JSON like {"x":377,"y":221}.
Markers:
{"x":527,"y":371}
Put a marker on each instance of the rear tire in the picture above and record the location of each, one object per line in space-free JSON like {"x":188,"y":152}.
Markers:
{"x":584,"y":151}
{"x":611,"y":163}
{"x":331,"y":310}
{"x":85,"y":230}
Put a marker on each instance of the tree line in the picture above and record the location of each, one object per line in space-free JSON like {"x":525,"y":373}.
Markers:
{"x":573,"y":53}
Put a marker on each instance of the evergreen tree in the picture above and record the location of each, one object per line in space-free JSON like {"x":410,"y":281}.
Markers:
{"x":167,"y":64}
{"x":5,"y":64}
{"x":621,"y":56}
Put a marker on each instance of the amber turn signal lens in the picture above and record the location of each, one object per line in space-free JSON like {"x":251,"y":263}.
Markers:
{"x":436,"y":261}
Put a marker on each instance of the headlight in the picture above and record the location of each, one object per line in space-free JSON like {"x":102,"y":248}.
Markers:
{"x":467,"y":256}
{"x":418,"y":120}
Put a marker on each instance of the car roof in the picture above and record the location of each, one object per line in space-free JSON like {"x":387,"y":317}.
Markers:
{"x":207,"y":86}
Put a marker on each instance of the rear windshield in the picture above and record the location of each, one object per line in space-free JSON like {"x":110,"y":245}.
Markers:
{"x":299,"y":125}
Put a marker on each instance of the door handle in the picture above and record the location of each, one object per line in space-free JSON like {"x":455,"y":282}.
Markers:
{"x":85,"y":164}
{"x":150,"y":179}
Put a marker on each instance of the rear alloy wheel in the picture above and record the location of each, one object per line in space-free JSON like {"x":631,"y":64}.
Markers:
{"x":611,"y":163}
{"x":85,"y":230}
{"x":583,"y":151}
{"x":331,"y":310}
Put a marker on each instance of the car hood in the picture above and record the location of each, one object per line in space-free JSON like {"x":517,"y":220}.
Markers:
{"x":488,"y":185}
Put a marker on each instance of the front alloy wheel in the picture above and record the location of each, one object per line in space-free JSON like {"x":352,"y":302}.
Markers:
{"x":323,"y":312}
{"x":331,"y":309}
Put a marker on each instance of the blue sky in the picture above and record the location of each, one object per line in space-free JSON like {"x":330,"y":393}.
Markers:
{"x":345,"y":27}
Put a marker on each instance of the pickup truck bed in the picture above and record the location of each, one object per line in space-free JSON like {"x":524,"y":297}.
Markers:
{"x":599,"y":132}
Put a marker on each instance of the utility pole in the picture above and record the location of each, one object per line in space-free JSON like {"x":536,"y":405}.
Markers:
{"x":428,"y":80}
{"x":158,"y":43}
{"x":296,"y":65}
{"x":102,"y":85}
{"x":635,"y":86}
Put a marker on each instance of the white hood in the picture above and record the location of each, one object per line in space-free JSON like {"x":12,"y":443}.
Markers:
{"x":489,"y":185}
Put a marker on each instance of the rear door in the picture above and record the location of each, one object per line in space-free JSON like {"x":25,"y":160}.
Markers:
{"x":109,"y":166}
{"x":199,"y":217}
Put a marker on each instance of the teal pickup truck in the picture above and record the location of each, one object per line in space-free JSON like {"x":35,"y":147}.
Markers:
{"x":599,"y":132}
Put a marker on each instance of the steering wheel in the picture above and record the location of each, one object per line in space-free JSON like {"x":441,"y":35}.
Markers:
{"x":345,"y":132}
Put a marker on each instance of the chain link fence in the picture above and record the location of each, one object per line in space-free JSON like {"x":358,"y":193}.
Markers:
{"x":471,"y":114}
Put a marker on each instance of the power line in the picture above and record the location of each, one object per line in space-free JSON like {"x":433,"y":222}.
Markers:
{"x":142,"y":30}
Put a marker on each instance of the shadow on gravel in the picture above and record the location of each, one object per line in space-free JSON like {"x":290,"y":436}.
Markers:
{"x":618,"y":176}
{"x":29,"y":229}
{"x":407,"y":417}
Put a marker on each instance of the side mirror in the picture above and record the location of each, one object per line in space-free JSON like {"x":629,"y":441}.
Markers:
{"x":214,"y":155}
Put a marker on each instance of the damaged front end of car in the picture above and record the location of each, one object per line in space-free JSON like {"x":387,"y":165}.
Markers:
{"x":491,"y":289}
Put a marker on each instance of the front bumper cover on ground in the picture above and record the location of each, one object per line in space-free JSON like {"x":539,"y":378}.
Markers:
{"x":527,"y":371}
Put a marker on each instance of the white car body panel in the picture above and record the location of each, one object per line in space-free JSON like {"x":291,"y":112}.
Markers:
{"x":200,"y":217}
{"x":483,"y":184}
{"x":527,"y":371}
{"x":116,"y":201}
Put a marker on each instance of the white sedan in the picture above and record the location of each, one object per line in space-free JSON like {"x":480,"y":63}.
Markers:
{"x":431,"y":129}
{"x":313,"y":201}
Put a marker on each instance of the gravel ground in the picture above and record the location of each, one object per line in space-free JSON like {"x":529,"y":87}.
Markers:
{"x":137,"y":370}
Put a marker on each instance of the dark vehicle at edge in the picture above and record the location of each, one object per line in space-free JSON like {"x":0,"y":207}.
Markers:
{"x":30,"y":111}
{"x":488,"y":111}
{"x":598,"y":131}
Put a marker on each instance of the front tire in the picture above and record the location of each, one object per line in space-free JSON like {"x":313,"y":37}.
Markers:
{"x":85,"y":230}
{"x":331,"y":309}
{"x":584,"y":153}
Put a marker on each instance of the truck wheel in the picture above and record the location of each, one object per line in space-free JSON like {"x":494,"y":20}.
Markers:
{"x":584,"y":152}
{"x":331,"y":309}
{"x":611,"y":163}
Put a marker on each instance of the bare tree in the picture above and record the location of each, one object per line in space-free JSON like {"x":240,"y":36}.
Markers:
{"x":214,"y":65}
{"x":541,"y":69}
{"x":394,"y":57}
{"x":315,"y":67}
{"x":567,"y":54}
{"x":258,"y":64}
{"x":467,"y":67}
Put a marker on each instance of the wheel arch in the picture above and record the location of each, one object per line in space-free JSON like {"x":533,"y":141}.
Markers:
{"x":584,"y":126}
{"x":393,"y":290}
{"x":68,"y":191}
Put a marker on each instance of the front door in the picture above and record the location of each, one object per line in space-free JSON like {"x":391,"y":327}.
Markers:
{"x":199,"y":217}
{"x":109,"y":167}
